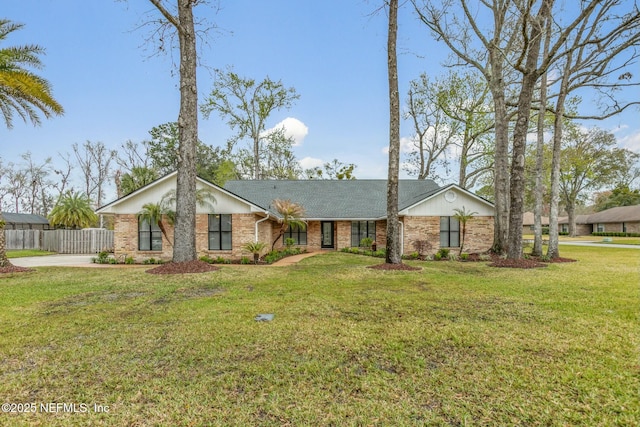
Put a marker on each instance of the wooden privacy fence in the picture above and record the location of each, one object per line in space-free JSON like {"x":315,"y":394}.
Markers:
{"x":88,"y":241}
{"x":23,"y":239}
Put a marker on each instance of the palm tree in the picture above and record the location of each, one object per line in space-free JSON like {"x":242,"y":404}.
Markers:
{"x":255,"y":248}
{"x":155,"y":213}
{"x":73,"y":210}
{"x":204,"y":198}
{"x":291,"y":215}
{"x":463,"y":217}
{"x":23,"y":92}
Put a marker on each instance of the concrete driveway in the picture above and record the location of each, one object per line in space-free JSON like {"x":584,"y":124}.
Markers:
{"x":54,"y":260}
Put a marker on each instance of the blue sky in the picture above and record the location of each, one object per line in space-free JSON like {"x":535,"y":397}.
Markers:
{"x":333,"y":52}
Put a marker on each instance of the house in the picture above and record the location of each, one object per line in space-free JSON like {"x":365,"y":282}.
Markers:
{"x":583,"y":228}
{"x":622,"y":219}
{"x":339,"y":214}
{"x":528,"y":222}
{"x":20,"y":221}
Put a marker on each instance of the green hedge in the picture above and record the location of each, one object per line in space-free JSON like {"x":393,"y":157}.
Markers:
{"x":614,"y":234}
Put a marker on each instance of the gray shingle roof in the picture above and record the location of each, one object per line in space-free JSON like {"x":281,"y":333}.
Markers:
{"x":619,"y":214}
{"x":20,"y":218}
{"x":333,"y":199}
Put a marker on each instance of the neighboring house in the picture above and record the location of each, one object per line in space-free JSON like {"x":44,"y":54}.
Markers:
{"x":20,"y":221}
{"x":623,"y":219}
{"x":583,"y":228}
{"x":528,"y":222}
{"x":339,"y":213}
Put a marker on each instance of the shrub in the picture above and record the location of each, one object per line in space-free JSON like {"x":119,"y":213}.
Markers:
{"x":207,"y":259}
{"x":464,"y":256}
{"x":444,"y":253}
{"x":437,"y":256}
{"x":453,"y":257}
{"x":245,"y":260}
{"x":255,"y":248}
{"x":366,"y":242}
{"x":129,"y":260}
{"x":423,"y":247}
{"x":152,"y":261}
{"x":102,"y":258}
{"x":289,"y":242}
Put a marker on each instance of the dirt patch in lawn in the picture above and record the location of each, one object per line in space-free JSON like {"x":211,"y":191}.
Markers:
{"x":387,"y":266}
{"x":517,"y":263}
{"x":183,"y":268}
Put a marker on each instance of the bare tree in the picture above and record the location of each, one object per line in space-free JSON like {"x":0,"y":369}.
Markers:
{"x":593,"y":59}
{"x":394,"y":251}
{"x":531,"y":67}
{"x":38,"y":183}
{"x":94,"y":160}
{"x":490,"y":52}
{"x":246,"y":105}
{"x":64,"y":174}
{"x":133,"y":155}
{"x":463,"y":119}
{"x":15,"y":185}
{"x":435,"y":132}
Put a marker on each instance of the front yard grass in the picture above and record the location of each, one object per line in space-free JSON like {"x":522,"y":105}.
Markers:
{"x":452,"y":344}
{"x":21,"y":253}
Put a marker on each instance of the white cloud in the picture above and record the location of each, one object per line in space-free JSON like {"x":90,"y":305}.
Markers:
{"x":310,"y":163}
{"x":631,"y":141}
{"x":406,"y":146}
{"x":293,"y":128}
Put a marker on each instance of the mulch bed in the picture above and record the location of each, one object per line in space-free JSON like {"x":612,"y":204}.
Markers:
{"x":386,"y":266}
{"x":183,"y":268}
{"x":14,"y":269}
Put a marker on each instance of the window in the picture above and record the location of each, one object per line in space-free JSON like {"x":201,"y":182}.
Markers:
{"x":624,"y":227}
{"x":298,"y":234}
{"x":362,"y":229}
{"x":449,"y":232}
{"x":599,"y":228}
{"x":149,"y":236}
{"x":219,"y":232}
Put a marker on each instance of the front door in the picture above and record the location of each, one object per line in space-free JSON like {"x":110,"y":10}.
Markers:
{"x":326,"y":228}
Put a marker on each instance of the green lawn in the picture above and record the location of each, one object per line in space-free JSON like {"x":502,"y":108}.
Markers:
{"x":453,"y":344}
{"x":27,"y":252}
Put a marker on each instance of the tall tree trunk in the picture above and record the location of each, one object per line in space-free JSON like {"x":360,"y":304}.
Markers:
{"x":501,"y":156}
{"x":553,"y":251}
{"x":256,"y":157}
{"x":537,"y":210}
{"x":185,"y":226}
{"x":531,"y":73}
{"x":394,"y":255}
{"x":571,"y":213}
{"x":4,"y":261}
